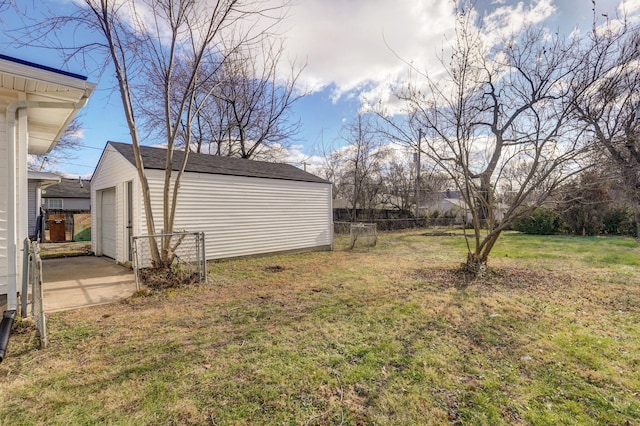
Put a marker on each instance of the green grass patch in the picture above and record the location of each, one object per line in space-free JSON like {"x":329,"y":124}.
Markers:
{"x":385,"y":336}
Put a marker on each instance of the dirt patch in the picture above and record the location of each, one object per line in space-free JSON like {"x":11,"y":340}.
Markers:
{"x":442,"y":234}
{"x":166,"y":278}
{"x":68,"y":249}
{"x":507,"y":277}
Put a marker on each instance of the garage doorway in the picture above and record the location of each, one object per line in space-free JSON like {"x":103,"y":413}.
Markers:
{"x":108,"y":222}
{"x":129,"y":188}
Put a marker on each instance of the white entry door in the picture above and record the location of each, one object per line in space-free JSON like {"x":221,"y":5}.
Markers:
{"x":108,"y":222}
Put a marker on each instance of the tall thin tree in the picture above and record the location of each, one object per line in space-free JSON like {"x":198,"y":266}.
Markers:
{"x":151,"y":42}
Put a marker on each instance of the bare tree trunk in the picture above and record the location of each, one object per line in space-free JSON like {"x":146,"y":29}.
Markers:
{"x":637,"y":216}
{"x":106,"y":19}
{"x":477,"y":259}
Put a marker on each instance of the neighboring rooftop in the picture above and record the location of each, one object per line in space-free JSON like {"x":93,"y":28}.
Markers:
{"x":69,"y":188}
{"x":43,"y":176}
{"x":154,"y":158}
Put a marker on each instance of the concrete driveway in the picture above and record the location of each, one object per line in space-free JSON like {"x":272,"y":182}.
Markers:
{"x":76,"y":282}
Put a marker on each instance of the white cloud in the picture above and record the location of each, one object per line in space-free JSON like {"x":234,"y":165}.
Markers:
{"x":628,"y":7}
{"x":512,"y":18}
{"x":356,"y":45}
{"x":366,"y":48}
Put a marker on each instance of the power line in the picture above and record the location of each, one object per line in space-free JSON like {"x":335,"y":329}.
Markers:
{"x":77,"y":165}
{"x":90,"y":147}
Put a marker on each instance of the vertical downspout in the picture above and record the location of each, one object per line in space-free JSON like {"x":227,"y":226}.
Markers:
{"x":12,"y":235}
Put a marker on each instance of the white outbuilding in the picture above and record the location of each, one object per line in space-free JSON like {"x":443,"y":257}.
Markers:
{"x":244,"y":207}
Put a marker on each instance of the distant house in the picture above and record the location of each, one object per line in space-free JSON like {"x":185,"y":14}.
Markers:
{"x":38,"y":182}
{"x":453,"y":208}
{"x":69,"y":194}
{"x":244,"y":207}
{"x":450,"y":204}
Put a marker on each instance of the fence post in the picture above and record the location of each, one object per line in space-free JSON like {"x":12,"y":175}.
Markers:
{"x":24,"y":294}
{"x":204,"y":258}
{"x":37,"y":296}
{"x":134,"y":259}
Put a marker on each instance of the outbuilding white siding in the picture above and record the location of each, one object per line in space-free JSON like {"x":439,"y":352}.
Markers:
{"x":243,"y":216}
{"x":112,"y":172}
{"x":239,"y":215}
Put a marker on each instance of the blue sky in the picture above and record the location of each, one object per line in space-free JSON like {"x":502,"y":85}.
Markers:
{"x":351,"y":49}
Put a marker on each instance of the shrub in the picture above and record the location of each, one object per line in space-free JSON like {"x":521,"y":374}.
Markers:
{"x":541,"y":221}
{"x":619,"y":221}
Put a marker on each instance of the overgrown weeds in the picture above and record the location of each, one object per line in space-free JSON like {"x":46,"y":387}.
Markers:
{"x":163,"y":278}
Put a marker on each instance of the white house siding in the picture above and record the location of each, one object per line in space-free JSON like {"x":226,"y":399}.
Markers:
{"x":70,"y":203}
{"x":21,"y":192}
{"x":33,"y":206}
{"x":246,"y":216}
{"x":3,"y":202}
{"x":113,"y":171}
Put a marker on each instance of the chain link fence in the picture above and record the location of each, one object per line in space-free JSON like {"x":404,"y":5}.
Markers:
{"x":364,"y":234}
{"x":184,"y":253}
{"x":399,"y":224}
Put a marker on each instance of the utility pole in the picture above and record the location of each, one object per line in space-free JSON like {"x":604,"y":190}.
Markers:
{"x":418,"y":174}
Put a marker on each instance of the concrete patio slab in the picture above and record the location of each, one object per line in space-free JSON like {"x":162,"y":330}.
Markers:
{"x":76,"y":282}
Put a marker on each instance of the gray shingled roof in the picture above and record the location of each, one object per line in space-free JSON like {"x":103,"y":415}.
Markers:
{"x":154,"y":158}
{"x":69,"y":188}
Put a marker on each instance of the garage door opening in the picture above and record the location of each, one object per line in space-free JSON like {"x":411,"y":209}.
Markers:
{"x":108,"y":222}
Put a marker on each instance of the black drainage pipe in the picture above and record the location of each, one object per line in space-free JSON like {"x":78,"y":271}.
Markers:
{"x":5,"y":331}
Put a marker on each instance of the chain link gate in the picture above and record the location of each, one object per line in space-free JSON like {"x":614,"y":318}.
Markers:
{"x":32,"y":284}
{"x":185,"y":252}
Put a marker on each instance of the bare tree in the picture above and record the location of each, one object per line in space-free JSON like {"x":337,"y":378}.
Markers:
{"x":149,"y":43}
{"x":64,"y":149}
{"x":608,"y":101}
{"x":331,"y":167}
{"x":495,"y":107}
{"x":360,"y":177}
{"x":245,"y":101}
{"x":584,"y":202}
{"x":399,"y":179}
{"x":255,"y":101}
{"x":6,"y":4}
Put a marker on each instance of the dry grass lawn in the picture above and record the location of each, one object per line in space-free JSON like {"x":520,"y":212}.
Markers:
{"x":388,"y":336}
